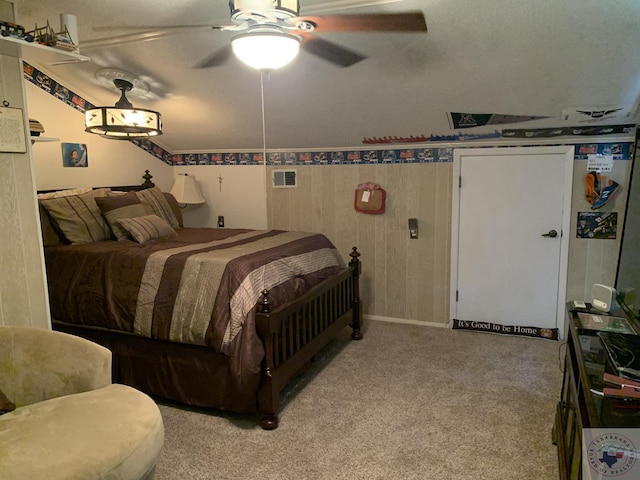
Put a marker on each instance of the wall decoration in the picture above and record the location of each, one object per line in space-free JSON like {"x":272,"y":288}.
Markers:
{"x":12,"y":136}
{"x":456,"y":137}
{"x":489,"y":327}
{"x":385,"y":155}
{"x":568,"y":131}
{"x":370,"y":198}
{"x":468,"y":120}
{"x":599,"y":113}
{"x":74,"y":155}
{"x":599,"y":189}
{"x":597,"y":225}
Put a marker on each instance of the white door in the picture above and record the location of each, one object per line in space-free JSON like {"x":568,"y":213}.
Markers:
{"x":508,"y":265}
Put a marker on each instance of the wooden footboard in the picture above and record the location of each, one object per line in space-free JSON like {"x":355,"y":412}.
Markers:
{"x":294,"y":333}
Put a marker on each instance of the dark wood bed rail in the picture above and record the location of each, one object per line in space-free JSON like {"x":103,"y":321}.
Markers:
{"x":293,"y":334}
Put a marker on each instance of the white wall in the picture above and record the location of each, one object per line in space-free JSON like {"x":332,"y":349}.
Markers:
{"x":240,"y":197}
{"x":241,"y":200}
{"x":111,"y":162}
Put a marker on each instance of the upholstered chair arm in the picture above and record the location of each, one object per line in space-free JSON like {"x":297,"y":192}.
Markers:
{"x":38,"y":364}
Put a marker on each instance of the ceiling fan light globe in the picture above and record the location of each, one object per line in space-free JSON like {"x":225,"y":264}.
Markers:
{"x":266,"y":50}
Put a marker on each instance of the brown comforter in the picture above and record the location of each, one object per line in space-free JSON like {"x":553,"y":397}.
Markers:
{"x":200,"y":287}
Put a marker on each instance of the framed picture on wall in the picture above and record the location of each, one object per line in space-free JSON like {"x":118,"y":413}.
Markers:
{"x":75,"y":155}
{"x":602,"y":225}
{"x":12,"y":138}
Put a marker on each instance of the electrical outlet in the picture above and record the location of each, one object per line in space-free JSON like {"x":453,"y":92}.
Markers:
{"x":220,"y":221}
{"x":413,"y":228}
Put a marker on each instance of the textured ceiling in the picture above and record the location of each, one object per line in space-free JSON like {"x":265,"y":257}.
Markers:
{"x":510,"y":57}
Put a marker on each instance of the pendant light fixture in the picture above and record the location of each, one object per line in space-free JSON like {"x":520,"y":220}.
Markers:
{"x":123,"y":121}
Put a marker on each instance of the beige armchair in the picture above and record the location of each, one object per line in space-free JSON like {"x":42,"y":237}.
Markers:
{"x":70,"y":421}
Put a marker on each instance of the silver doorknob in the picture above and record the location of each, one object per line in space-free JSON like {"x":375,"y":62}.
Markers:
{"x":551,"y":233}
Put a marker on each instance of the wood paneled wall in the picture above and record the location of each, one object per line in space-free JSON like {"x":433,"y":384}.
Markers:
{"x":402,"y":278}
{"x":594,"y":261}
{"x":409,"y":279}
{"x":23,"y":296}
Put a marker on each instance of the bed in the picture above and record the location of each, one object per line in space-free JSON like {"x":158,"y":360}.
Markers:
{"x":214,"y":318}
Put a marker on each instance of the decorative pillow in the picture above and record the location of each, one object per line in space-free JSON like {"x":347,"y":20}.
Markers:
{"x":78,"y":218}
{"x":175,"y":207}
{"x":155,"y":199}
{"x":146,"y":228}
{"x":6,"y":406}
{"x":116,"y":207}
{"x":49,"y":235}
{"x":64,"y":193}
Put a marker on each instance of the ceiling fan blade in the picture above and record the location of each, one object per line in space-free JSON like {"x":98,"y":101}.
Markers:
{"x":144,"y":36}
{"x":111,"y":28}
{"x":217,"y":58}
{"x":330,"y":51}
{"x":376,"y":22}
{"x":334,"y":6}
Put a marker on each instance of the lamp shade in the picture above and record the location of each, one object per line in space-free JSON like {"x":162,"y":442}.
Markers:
{"x":266,"y":50}
{"x":122,"y":121}
{"x":186,"y":191}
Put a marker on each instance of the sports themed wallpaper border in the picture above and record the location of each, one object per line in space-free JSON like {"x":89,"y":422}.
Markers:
{"x":619,"y":151}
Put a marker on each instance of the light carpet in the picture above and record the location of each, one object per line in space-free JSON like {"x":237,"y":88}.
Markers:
{"x":406,"y":402}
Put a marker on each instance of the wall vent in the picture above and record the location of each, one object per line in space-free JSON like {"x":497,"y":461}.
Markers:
{"x":284,"y":179}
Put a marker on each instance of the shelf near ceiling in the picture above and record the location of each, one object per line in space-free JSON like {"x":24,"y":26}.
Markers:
{"x":39,"y":53}
{"x":39,"y":139}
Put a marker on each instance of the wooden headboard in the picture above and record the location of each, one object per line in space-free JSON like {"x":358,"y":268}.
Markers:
{"x":51,"y":237}
{"x":120,"y":188}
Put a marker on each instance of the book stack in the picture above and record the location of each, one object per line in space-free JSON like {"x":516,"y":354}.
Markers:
{"x":35,"y":127}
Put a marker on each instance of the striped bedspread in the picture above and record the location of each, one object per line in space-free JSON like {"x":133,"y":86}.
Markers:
{"x":199,"y":287}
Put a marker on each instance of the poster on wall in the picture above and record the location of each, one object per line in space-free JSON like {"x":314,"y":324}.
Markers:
{"x":74,"y":155}
{"x":602,"y":225}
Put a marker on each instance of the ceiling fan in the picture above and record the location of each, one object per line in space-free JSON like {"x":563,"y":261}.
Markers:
{"x":260,"y":21}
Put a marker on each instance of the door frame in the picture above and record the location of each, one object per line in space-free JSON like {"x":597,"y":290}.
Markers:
{"x":568,"y":152}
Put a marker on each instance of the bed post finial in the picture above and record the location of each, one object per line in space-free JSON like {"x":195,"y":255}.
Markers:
{"x":355,"y":261}
{"x":356,"y":324}
{"x":265,"y":306}
{"x":147,"y":180}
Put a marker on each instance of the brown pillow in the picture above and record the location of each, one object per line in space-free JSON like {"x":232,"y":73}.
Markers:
{"x":175,"y":207}
{"x":116,"y":207}
{"x":78,"y":218}
{"x":155,"y":199}
{"x":148,"y":227}
{"x":49,"y":235}
{"x":5,"y":405}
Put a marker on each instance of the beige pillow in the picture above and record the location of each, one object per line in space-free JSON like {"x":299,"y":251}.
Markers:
{"x":155,"y":199}
{"x":64,"y":193}
{"x":78,"y":218}
{"x":148,"y":227}
{"x":116,"y":207}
